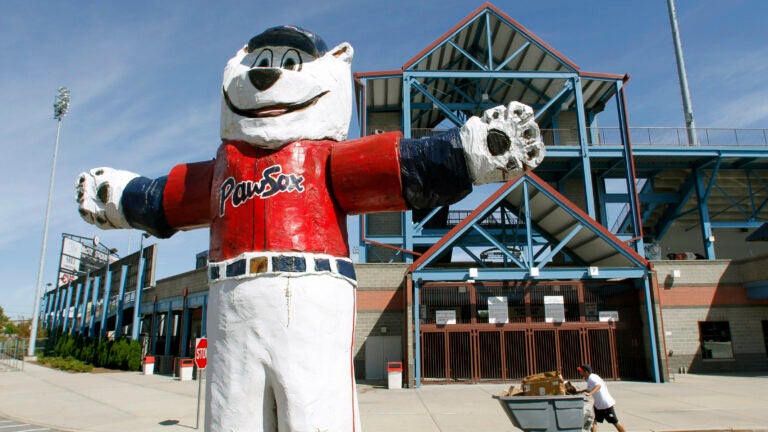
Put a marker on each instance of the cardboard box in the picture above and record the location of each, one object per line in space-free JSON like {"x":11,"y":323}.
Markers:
{"x":544,"y":384}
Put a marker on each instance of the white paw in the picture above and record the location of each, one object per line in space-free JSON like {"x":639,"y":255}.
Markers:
{"x":99,"y":192}
{"x":503,"y":144}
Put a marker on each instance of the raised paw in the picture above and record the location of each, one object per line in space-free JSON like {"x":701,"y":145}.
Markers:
{"x":503,"y":144}
{"x":98,"y":195}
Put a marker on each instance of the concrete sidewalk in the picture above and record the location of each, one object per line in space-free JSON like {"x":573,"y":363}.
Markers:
{"x":130,"y":401}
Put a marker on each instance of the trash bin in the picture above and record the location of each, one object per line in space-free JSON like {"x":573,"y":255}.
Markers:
{"x":394,"y":375}
{"x":186,"y":365}
{"x":149,"y":365}
{"x":545,"y":413}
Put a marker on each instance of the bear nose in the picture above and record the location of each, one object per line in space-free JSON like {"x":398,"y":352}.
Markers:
{"x":263,"y":78}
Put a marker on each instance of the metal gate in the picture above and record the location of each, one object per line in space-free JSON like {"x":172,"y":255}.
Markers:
{"x":470,"y":347}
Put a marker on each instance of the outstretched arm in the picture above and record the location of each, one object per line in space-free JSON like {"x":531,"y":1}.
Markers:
{"x":110,"y":199}
{"x":386,"y":172}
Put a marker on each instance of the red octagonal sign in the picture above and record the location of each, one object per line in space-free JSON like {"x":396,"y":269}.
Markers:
{"x":201,"y":353}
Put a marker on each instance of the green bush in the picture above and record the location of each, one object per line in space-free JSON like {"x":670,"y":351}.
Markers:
{"x":113,"y":354}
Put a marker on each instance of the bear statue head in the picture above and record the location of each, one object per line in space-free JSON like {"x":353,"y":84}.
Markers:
{"x":286,"y":85}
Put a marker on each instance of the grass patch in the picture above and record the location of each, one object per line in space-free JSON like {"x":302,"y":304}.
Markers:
{"x":68,"y":364}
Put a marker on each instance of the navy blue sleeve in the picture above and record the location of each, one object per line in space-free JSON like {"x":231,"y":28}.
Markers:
{"x":142,"y":203}
{"x":434,"y":171}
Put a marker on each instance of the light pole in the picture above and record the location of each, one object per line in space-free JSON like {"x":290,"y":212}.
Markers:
{"x":690,"y":123}
{"x":60,"y":108}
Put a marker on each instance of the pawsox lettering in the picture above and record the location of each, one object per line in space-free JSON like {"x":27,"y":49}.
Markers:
{"x":272,"y":182}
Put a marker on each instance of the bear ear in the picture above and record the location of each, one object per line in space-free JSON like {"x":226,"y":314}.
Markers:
{"x":343,"y":51}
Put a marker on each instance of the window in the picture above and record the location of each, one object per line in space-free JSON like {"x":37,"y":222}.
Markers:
{"x":715,"y":340}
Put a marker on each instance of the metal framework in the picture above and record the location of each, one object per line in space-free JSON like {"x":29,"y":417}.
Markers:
{"x":589,"y":171}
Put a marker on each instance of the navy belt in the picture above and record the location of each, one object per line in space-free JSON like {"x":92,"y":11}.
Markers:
{"x":254,"y":264}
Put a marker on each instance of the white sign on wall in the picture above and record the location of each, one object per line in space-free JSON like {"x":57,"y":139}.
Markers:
{"x":445,"y":317}
{"x":606,"y":316}
{"x":554,"y":309}
{"x":498,"y":311}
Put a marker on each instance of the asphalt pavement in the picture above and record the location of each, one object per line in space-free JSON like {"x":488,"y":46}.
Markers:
{"x":40,"y":398}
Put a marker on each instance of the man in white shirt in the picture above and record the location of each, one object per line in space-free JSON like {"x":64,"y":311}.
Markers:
{"x":604,"y":402}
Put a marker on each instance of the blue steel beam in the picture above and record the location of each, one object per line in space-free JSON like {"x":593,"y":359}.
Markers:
{"x":543,"y":262}
{"x":94,"y":302}
{"x":105,"y":301}
{"x":54,"y":321}
{"x":168,"y":328}
{"x":76,"y":308}
{"x":502,"y":248}
{"x":137,"y":302}
{"x":468,"y":56}
{"x":673,"y":212}
{"x":652,"y":325}
{"x":528,"y":227}
{"x":448,"y":113}
{"x":500,"y":74}
{"x":489,"y":40}
{"x":66,"y":308}
{"x":513,"y":56}
{"x":585,"y":162}
{"x":629,"y":168}
{"x":745,"y":224}
{"x":121,"y":301}
{"x":702,"y":193}
{"x":567,"y":88}
{"x":555,"y":273}
{"x":473,"y":256}
{"x":85,"y":302}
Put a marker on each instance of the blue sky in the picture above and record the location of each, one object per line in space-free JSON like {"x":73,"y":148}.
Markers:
{"x":145,"y":80}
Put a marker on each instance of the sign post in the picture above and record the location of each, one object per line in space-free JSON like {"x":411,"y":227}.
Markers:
{"x":201,"y":361}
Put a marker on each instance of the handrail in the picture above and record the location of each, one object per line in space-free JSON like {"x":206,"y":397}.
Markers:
{"x":641,"y":136}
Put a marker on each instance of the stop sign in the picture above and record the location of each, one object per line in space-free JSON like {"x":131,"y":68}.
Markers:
{"x":201,"y":353}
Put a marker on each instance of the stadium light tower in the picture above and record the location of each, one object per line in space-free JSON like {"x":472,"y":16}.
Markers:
{"x":60,"y":108}
{"x":690,"y":123}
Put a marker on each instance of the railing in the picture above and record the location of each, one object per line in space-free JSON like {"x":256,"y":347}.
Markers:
{"x":12,"y":353}
{"x":641,"y":136}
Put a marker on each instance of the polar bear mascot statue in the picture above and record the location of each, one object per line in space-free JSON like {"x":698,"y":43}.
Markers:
{"x":281,"y":310}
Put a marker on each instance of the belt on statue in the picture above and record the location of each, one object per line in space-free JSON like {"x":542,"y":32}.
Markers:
{"x":252,"y":264}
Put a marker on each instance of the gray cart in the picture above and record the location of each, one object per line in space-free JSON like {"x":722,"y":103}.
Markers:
{"x":545,"y":413}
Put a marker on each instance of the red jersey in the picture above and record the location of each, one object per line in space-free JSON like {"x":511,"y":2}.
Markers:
{"x":295,"y":198}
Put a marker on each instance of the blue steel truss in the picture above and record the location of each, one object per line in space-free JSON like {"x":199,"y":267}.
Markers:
{"x":489,"y":59}
{"x":536,"y":224}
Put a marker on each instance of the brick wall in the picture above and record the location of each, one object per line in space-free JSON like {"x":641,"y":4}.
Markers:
{"x":379,"y":304}
{"x":712,"y":290}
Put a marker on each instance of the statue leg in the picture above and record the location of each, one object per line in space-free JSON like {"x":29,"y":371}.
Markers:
{"x":238,"y":396}
{"x":314,"y":373}
{"x":280,"y":355}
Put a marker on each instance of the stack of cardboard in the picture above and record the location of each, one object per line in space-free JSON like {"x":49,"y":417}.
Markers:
{"x":544,"y":384}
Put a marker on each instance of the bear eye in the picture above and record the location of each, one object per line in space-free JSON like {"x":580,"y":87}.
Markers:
{"x":291,"y":60}
{"x":264,"y":60}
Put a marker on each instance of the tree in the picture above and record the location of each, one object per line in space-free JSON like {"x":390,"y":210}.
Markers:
{"x":5,"y":322}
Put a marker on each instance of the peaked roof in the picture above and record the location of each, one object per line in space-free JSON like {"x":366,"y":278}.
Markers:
{"x":561,"y":223}
{"x":487,"y":58}
{"x":506,"y":36}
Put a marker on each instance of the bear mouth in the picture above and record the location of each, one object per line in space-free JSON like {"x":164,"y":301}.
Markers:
{"x":275,"y":110}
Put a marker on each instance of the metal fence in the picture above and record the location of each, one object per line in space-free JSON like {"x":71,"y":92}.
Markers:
{"x":12,"y":352}
{"x":473,"y":349}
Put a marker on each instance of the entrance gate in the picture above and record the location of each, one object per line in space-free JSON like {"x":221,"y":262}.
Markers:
{"x":473,"y":348}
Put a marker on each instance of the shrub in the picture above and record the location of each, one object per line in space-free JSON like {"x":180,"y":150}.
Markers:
{"x":114,"y":354}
